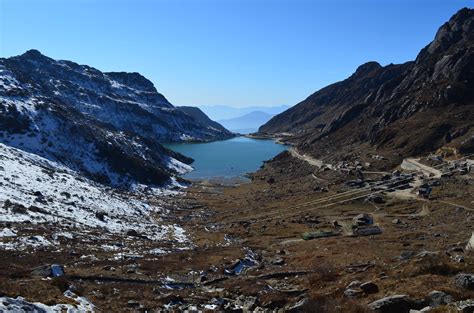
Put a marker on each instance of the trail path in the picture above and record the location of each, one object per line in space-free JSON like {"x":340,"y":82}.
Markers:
{"x":308,"y":159}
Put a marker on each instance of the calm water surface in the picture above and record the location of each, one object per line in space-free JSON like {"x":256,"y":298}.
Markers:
{"x":228,"y":158}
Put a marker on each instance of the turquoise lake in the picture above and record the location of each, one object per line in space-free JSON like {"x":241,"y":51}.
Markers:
{"x":227,"y":158}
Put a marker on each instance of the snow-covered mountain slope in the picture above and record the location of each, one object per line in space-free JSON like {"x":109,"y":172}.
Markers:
{"x":128,"y":101}
{"x":105,"y":125}
{"x":35,"y":191}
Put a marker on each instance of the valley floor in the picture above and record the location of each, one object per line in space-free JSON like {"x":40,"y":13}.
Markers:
{"x":242,"y":247}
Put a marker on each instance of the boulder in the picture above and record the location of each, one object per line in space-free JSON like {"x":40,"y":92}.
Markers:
{"x":464,"y":280}
{"x":369,"y":287}
{"x":395,"y":304}
{"x":367,"y":231}
{"x":437,"y":298}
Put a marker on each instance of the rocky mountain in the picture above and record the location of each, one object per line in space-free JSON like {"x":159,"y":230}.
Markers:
{"x":198,"y":115}
{"x":406,"y":109}
{"x":247,"y":123}
{"x":107,"y":126}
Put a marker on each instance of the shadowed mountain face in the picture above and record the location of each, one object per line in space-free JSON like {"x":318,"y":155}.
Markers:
{"x":106,"y":125}
{"x":410,"y":108}
{"x":198,"y":115}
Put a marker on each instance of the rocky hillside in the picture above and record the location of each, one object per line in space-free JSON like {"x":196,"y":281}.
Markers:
{"x":198,"y":115}
{"x":407,"y":109}
{"x":105,"y":125}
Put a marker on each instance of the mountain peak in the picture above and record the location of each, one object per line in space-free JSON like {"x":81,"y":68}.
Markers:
{"x":459,"y":27}
{"x":33,"y":54}
{"x":366,"y":68}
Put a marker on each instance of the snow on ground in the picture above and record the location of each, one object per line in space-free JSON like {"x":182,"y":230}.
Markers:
{"x":20,"y":305}
{"x":7,"y":232}
{"x":178,"y":166}
{"x":36,"y":190}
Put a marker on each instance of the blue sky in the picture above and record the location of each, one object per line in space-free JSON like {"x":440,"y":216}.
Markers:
{"x":227,"y":52}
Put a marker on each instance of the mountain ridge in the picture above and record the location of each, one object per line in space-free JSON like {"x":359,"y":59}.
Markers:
{"x":107,"y":126}
{"x":408,"y":109}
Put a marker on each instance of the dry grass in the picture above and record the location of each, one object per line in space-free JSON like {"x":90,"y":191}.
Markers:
{"x":329,"y":304}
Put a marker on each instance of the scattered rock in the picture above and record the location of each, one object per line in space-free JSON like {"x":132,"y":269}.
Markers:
{"x":396,"y":221}
{"x":466,"y":306}
{"x":249,"y":304}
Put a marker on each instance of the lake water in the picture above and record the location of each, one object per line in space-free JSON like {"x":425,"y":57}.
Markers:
{"x":227,"y":158}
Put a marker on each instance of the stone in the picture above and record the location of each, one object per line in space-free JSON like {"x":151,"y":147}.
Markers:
{"x":133,"y":303}
{"x":352,"y":293}
{"x":425,"y":309}
{"x":133,"y":233}
{"x":278,"y":261}
{"x":394,"y":304}
{"x":406,"y":255}
{"x":437,"y":298}
{"x":249,"y":304}
{"x":396,"y":221}
{"x":464,"y":280}
{"x":367,"y":231}
{"x":470,"y":243}
{"x":466,"y":306}
{"x":369,"y":287}
{"x":298,"y":306}
{"x":354,"y":284}
{"x":43,"y":271}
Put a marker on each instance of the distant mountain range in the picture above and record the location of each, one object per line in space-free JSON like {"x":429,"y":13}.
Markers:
{"x":403,"y":109}
{"x":248,"y":123}
{"x":107,"y":126}
{"x":222,"y":112}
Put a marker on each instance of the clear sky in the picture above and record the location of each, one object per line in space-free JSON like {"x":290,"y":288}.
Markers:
{"x":228,"y":52}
